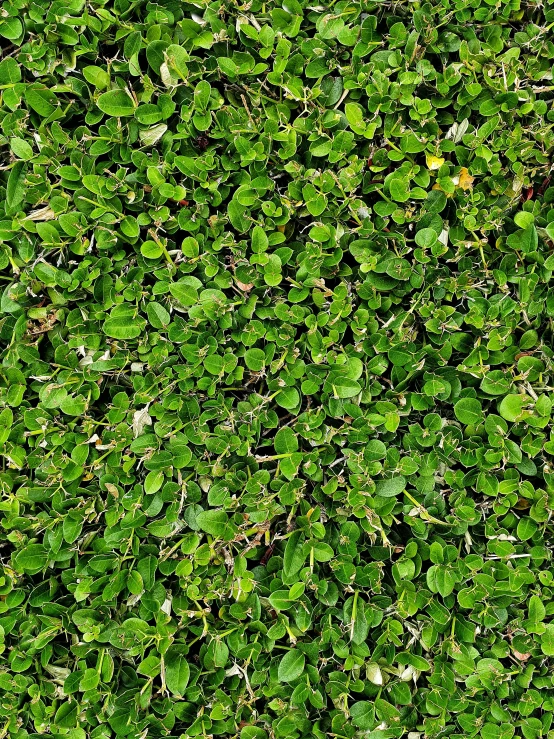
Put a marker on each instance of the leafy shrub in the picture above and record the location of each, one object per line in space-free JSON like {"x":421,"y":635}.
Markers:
{"x":276,"y":390}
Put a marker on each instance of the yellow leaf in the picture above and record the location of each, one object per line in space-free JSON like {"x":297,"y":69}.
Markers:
{"x":465,"y":180}
{"x":434,"y":162}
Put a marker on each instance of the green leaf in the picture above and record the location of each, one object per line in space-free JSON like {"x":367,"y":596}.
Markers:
{"x":537,"y":611}
{"x":426,"y":238}
{"x":135,"y":583}
{"x":391,"y":487}
{"x":526,"y":528}
{"x":514,"y":407}
{"x":524,"y":219}
{"x":73,"y":405}
{"x":124,"y":327}
{"x":151,"y":250}
{"x":15,"y":191}
{"x":186,"y":290}
{"x":355,"y":116}
{"x":216,"y":523}
{"x":399,"y":190}
{"x":342,"y":386}
{"x":11,"y":28}
{"x":294,"y":556}
{"x":440,"y":580}
{"x":495,"y":383}
{"x":285,"y":441}
{"x":21,"y":148}
{"x":322,"y":552}
{"x":259,"y":240}
{"x":214,"y":364}
{"x":362,"y":714}
{"x":291,"y":666}
{"x":97,"y":77}
{"x":386,"y":712}
{"x":375,"y":450}
{"x":10,"y":72}
{"x":281,"y":600}
{"x":66,"y":715}
{"x":176,"y":671}
{"x":130,"y":227}
{"x":177,"y":58}
{"x":117,"y":103}
{"x":255,"y":359}
{"x":253,"y":732}
{"x":408,"y":658}
{"x":288,"y":398}
{"x":469,"y":411}
{"x":153,"y":481}
{"x":132,"y":44}
{"x":31,"y":559}
{"x":547,"y":640}
{"x":41,"y":100}
{"x":158,"y":316}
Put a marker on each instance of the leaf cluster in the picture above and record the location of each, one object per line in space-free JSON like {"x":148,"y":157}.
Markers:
{"x":277,"y":375}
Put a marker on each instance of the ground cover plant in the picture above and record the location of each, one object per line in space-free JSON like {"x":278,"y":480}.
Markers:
{"x":276,"y":384}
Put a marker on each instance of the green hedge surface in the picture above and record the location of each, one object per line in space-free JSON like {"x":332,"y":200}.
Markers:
{"x":276,"y":378}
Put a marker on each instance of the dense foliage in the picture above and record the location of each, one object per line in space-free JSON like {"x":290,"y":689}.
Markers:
{"x":276,"y":379}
